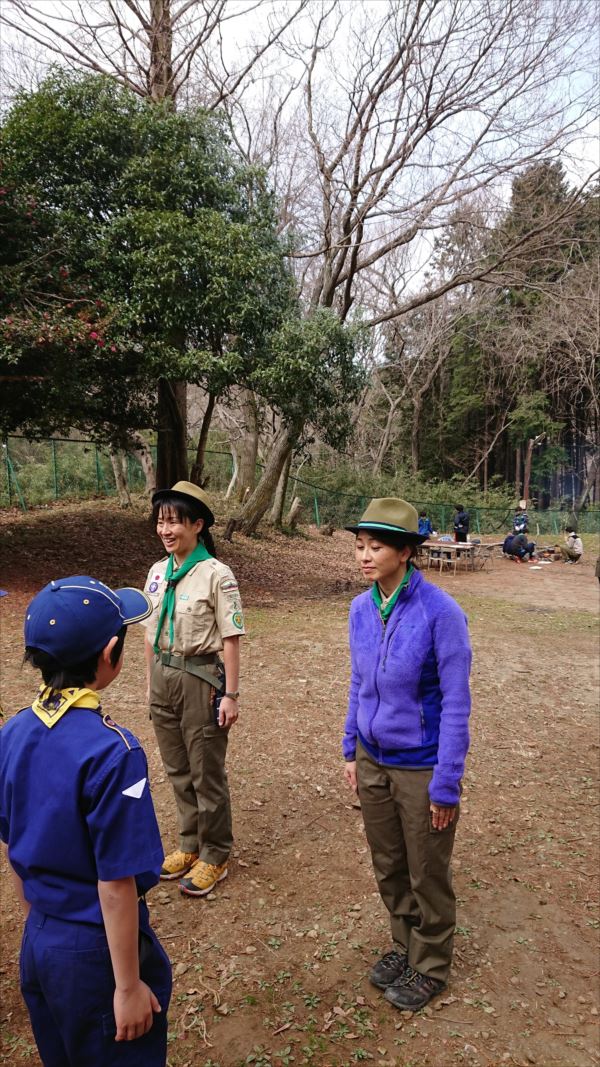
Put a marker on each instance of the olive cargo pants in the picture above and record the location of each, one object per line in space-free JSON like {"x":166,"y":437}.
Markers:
{"x":411,"y":862}
{"x":193,"y":750}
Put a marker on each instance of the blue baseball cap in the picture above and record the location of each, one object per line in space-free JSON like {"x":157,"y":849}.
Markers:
{"x":72,"y":618}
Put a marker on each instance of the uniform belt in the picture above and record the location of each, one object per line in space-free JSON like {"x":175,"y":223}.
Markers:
{"x":196,"y":665}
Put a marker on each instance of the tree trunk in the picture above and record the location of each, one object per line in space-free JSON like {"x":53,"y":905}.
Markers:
{"x":160,"y":73}
{"x":531,"y":444}
{"x":527,"y":469}
{"x":144,"y":455}
{"x":414,"y":435}
{"x":292,"y":516}
{"x":234,"y":473}
{"x":592,"y":474}
{"x":277,"y":509}
{"x":171,"y":443}
{"x":384,"y":444}
{"x":249,"y":446}
{"x":258,"y":502}
{"x":118,"y":460}
{"x":518,"y":470}
{"x":197,"y":475}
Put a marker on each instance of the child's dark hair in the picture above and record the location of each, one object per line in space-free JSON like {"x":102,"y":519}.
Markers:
{"x":185,"y":509}
{"x":72,"y":675}
{"x":423,"y":514}
{"x":459,"y":507}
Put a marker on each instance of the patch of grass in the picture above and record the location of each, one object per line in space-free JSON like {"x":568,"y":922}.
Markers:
{"x":506,"y":616}
{"x":19,"y":1047}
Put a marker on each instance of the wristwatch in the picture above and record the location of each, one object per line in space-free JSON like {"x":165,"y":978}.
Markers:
{"x":234,"y":696}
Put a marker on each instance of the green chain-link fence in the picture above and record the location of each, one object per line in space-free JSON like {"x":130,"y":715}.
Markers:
{"x":341,"y":509}
{"x":38,"y":472}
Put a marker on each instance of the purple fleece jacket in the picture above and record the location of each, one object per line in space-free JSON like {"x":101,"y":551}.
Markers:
{"x":409,"y":690}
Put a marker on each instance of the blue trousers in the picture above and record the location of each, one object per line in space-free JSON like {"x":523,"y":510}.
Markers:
{"x":68,"y":985}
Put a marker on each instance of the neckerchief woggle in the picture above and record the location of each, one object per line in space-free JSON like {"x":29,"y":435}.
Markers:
{"x":386,"y":611}
{"x":51,"y":704}
{"x":167,"y":608}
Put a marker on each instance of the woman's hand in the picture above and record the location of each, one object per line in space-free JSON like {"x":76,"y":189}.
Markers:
{"x":441,"y":817}
{"x":350,"y":775}
{"x":228,"y":712}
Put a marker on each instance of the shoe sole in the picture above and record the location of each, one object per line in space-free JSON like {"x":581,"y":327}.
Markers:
{"x":202,"y":892}
{"x":381,"y":985}
{"x":412,"y":1008}
{"x":180,"y":874}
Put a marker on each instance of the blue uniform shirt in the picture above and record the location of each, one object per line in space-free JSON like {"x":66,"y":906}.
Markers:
{"x":75,"y":807}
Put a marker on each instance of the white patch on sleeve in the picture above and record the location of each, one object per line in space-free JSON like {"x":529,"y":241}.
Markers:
{"x":136,"y":789}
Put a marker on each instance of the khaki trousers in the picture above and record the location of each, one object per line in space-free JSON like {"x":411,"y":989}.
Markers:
{"x":411,"y":862}
{"x":568,"y":553}
{"x":193,"y":750}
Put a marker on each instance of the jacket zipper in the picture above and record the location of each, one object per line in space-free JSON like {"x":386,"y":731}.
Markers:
{"x":383,"y":663}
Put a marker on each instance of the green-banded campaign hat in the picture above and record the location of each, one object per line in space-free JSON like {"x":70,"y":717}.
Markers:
{"x":192,"y":494}
{"x":390,"y":515}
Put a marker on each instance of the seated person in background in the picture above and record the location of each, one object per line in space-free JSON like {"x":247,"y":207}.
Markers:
{"x":520,"y":520}
{"x":425,"y":526}
{"x":517,"y":546}
{"x":572,"y":550}
{"x":508,"y":540}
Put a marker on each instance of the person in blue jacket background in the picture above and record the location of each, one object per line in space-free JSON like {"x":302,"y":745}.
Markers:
{"x":425,"y":526}
{"x":77,"y":818}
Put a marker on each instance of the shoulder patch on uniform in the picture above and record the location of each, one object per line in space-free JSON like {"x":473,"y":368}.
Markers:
{"x":238,"y":620}
{"x":228,"y":583}
{"x":107,"y":721}
{"x":135,"y":790}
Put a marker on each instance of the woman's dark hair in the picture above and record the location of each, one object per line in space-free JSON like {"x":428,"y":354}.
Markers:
{"x":396,"y":541}
{"x":72,"y":675}
{"x":185,"y":509}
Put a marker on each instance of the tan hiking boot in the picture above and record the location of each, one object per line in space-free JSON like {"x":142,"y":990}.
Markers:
{"x":202,"y":878}
{"x":176,"y":864}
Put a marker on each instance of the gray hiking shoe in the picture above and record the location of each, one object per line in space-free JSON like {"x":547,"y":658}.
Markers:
{"x":413,"y":990}
{"x":388,"y":969}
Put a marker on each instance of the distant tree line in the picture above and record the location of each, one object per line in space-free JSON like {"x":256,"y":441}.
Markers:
{"x":327,"y":251}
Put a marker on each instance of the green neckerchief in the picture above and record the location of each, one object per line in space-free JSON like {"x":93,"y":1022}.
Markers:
{"x":386,"y":611}
{"x":167,"y":608}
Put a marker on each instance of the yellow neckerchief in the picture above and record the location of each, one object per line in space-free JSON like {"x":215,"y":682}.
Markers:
{"x":51,"y":704}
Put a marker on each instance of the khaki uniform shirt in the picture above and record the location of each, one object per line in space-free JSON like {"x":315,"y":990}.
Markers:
{"x":207,"y":608}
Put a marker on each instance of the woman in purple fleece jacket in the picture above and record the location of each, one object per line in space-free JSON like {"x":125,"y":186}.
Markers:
{"x":405,"y":743}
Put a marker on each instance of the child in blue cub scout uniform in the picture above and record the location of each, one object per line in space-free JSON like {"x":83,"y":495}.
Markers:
{"x":83,"y":844}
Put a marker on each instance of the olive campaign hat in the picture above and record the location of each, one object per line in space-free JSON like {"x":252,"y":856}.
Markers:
{"x":192,"y":494}
{"x":389,"y":514}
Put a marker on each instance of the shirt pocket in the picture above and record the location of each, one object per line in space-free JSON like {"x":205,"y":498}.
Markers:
{"x":193,"y":620}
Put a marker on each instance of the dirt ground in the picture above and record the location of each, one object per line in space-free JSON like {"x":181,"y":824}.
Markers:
{"x":270,"y":969}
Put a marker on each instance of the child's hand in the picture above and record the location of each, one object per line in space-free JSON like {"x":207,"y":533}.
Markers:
{"x":133,"y":1011}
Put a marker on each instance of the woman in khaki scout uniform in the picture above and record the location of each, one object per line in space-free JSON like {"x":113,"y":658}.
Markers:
{"x":197,"y":617}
